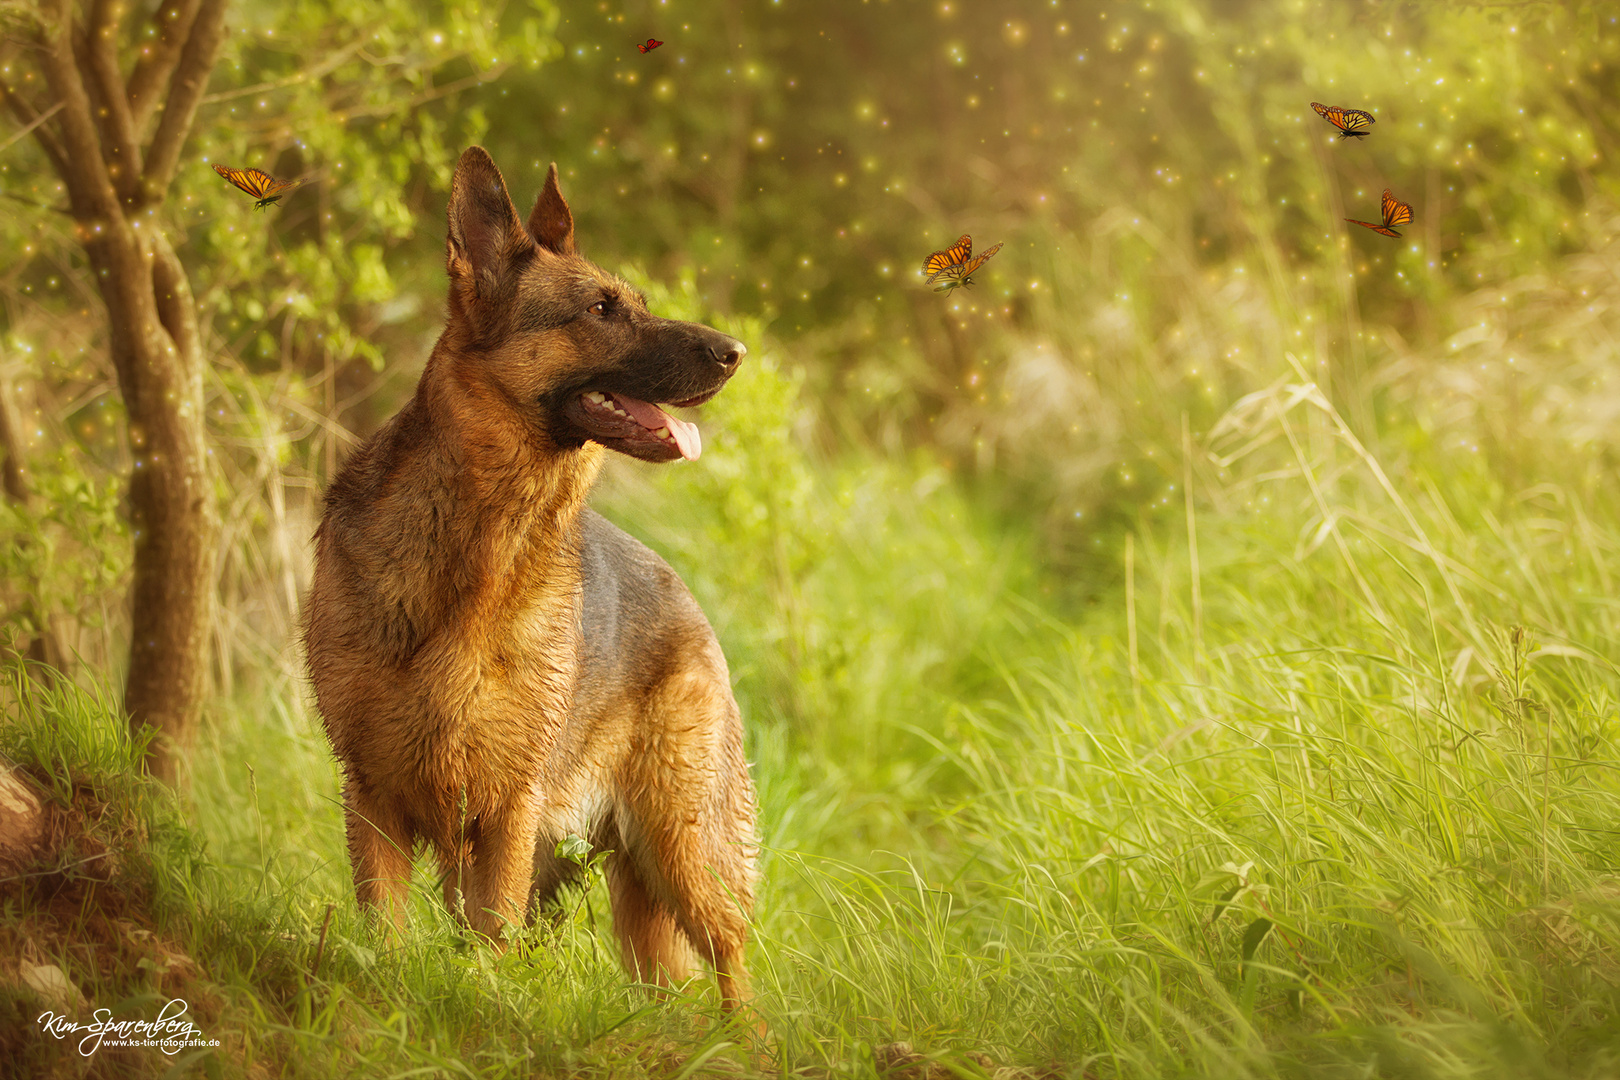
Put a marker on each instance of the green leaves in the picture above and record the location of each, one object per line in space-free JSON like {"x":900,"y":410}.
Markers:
{"x":1253,"y":935}
{"x":575,"y":849}
{"x":1231,"y":887}
{"x":63,"y":552}
{"x":1228,"y":886}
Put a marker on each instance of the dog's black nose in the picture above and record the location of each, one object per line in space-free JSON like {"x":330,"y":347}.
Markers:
{"x":727,"y":352}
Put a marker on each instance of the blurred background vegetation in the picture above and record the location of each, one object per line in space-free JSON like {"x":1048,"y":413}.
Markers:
{"x":966,"y":550}
{"x":1170,"y":204}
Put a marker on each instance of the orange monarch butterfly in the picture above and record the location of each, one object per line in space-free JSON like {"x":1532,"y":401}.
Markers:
{"x":1395,"y":213}
{"x":954,"y":265}
{"x":1352,"y":123}
{"x":941,"y":262}
{"x":652,"y":43}
{"x":261,"y":185}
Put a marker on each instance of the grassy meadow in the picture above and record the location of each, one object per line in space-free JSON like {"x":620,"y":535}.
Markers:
{"x":1193,"y":652}
{"x":1313,"y":774}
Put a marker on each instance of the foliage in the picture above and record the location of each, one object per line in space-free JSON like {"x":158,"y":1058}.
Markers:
{"x":117,"y":863}
{"x":772,"y":524}
{"x":1170,"y":203}
{"x":63,"y":553}
{"x":364,"y":102}
{"x":61,"y":733}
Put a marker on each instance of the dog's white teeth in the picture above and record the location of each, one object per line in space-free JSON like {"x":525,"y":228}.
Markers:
{"x":604,"y":401}
{"x":661,"y":433}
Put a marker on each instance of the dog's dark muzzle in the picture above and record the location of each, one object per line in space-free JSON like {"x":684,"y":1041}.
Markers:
{"x":703,"y":360}
{"x":688,"y":364}
{"x":726,"y":351}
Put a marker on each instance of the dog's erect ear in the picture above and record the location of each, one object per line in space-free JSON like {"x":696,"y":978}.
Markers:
{"x":550,"y":223}
{"x":485,"y":230}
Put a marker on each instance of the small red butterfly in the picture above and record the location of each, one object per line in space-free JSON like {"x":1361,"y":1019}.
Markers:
{"x":1395,"y":213}
{"x":652,"y":43}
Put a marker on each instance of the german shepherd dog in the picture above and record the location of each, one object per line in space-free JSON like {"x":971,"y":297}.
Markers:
{"x":496,"y":665}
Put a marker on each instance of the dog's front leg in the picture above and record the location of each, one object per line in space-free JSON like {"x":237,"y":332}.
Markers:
{"x":380,"y":845}
{"x":502,"y":865}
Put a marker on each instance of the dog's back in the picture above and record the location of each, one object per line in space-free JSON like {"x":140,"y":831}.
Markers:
{"x":498,"y":667}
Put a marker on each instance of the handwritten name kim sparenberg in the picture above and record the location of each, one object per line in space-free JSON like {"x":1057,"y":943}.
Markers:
{"x":169,"y":1031}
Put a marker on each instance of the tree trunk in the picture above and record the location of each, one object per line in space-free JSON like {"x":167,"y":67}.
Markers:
{"x":116,"y":178}
{"x":173,"y":517}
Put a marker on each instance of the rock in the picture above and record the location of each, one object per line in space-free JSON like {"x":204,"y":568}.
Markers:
{"x":48,"y":981}
{"x":893,"y":1056}
{"x":23,"y":821}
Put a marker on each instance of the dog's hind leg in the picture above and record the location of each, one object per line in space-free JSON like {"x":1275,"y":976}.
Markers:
{"x":713,"y":896}
{"x":682,"y":888}
{"x":380,"y":843}
{"x":651,"y":943}
{"x":691,"y":833}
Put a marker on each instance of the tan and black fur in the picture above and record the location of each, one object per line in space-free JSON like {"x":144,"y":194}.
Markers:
{"x":498,"y":666}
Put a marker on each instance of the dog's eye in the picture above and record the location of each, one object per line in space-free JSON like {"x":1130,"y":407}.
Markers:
{"x":598,"y":308}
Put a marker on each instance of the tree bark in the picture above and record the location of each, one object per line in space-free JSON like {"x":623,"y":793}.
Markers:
{"x":173,"y":518}
{"x":114,"y":184}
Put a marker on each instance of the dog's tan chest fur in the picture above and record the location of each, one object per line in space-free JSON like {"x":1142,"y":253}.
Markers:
{"x":488,"y":679}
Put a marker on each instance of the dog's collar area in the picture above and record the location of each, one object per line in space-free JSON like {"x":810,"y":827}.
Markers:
{"x":622,"y":418}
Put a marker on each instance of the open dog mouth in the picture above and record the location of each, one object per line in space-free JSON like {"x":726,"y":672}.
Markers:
{"x":640,"y":428}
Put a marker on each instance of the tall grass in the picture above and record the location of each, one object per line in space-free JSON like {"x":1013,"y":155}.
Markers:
{"x":1350,"y":808}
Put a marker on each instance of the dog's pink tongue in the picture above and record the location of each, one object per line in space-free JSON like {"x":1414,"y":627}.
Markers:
{"x":652,"y":418}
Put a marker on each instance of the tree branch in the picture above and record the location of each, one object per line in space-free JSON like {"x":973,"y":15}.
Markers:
{"x":31,"y":121}
{"x":117,"y":124}
{"x":423,"y":98}
{"x":173,"y":20}
{"x":186,"y":88}
{"x":12,"y":470}
{"x":320,"y":70}
{"x":81,"y":166}
{"x":171,"y":291}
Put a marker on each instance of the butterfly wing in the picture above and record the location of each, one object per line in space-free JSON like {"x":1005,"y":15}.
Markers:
{"x":1395,"y":211}
{"x":1385,"y":229}
{"x":1357,"y":121}
{"x":941,"y":262}
{"x":249,"y":180}
{"x":1331,"y":113}
{"x":652,"y":43}
{"x":969,"y":268}
{"x":273,"y":187}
